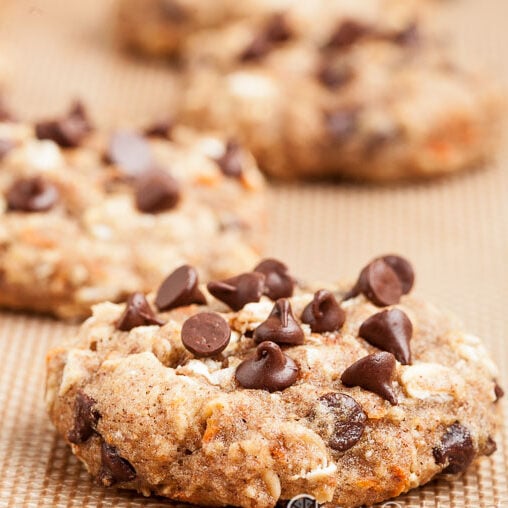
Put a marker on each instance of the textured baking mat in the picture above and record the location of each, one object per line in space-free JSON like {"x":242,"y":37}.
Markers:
{"x":454,"y":230}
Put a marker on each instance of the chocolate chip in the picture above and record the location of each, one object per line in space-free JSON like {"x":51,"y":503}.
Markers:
{"x":374,"y":373}
{"x":389,"y":330}
{"x":206,"y":334}
{"x":498,"y":391}
{"x":278,"y":283}
{"x":237,"y":291}
{"x":342,"y":123}
{"x":259,"y":47}
{"x":388,"y":290}
{"x":269,"y":369}
{"x":160,"y":129}
{"x":409,"y":36}
{"x":6,"y":145}
{"x":334,"y":77}
{"x":348,"y":33}
{"x":68,"y":131}
{"x":179,"y":289}
{"x":280,"y":326}
{"x":456,"y":450}
{"x":32,"y":195}
{"x":380,"y":284}
{"x":137,"y":313}
{"x":156,"y":191}
{"x":277,"y":28}
{"x":85,"y":418}
{"x":275,"y":31}
{"x":130,"y":152}
{"x":114,"y":469}
{"x":231,"y":162}
{"x":349,"y":420}
{"x":402,"y":267}
{"x":323,"y":314}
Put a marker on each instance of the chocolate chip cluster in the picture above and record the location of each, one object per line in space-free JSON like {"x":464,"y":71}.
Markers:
{"x":383,"y":281}
{"x":155,"y":190}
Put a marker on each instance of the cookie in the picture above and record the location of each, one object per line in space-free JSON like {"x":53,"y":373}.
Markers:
{"x":88,"y":216}
{"x":350,"y":396}
{"x":160,"y":27}
{"x":372,"y":96}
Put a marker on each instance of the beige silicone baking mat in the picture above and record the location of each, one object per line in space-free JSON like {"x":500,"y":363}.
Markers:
{"x":454,"y":230}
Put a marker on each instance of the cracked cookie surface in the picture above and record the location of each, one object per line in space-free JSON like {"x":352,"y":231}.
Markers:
{"x":250,"y":407}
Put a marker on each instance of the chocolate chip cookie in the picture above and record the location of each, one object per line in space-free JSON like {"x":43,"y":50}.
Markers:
{"x":254,"y":389}
{"x":364,"y":90}
{"x":372,"y":95}
{"x":89,"y":216}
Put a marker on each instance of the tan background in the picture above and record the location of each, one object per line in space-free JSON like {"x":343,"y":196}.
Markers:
{"x":454,"y":230}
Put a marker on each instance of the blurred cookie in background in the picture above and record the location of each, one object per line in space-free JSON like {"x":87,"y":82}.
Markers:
{"x":88,"y":215}
{"x":364,"y":90}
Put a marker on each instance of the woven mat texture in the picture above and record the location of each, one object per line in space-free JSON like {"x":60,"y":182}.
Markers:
{"x":454,"y":230}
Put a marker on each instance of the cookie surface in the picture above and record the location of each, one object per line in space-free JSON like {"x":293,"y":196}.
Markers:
{"x":249,"y":407}
{"x":87,"y":216}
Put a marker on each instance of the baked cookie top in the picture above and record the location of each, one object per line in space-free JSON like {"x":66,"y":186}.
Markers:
{"x":87,"y":216}
{"x":372,"y":95}
{"x":257,"y":389}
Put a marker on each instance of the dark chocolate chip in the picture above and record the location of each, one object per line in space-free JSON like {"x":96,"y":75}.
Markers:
{"x":334,"y":77}
{"x":231,"y":162}
{"x":387,"y":290}
{"x":498,"y":391}
{"x":280,"y":326}
{"x":137,"y":313}
{"x":160,"y":129}
{"x":456,"y":450}
{"x":179,"y":289}
{"x":68,"y":131}
{"x":275,"y":31}
{"x":269,"y":369}
{"x":374,"y":373}
{"x":278,"y":283}
{"x":6,"y":145}
{"x":348,"y":33}
{"x":237,"y":291}
{"x":402,"y":267}
{"x":380,"y":284}
{"x":114,"y":469}
{"x":85,"y":418}
{"x":342,"y":123}
{"x":32,"y":195}
{"x":277,"y":28}
{"x":389,"y":330}
{"x":323,"y":314}
{"x":206,"y":334}
{"x":258,"y":48}
{"x":156,"y":191}
{"x":130,"y":152}
{"x":349,"y":420}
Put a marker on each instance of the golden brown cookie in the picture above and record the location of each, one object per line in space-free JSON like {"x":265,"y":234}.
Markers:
{"x":350,"y":397}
